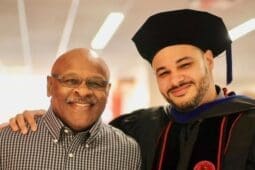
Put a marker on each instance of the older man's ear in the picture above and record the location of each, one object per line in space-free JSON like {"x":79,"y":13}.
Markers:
{"x":49,"y":86}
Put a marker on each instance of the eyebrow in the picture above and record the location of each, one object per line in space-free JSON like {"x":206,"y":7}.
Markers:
{"x":178,"y":61}
{"x":183,"y":58}
{"x":160,"y":68}
{"x":93,"y":76}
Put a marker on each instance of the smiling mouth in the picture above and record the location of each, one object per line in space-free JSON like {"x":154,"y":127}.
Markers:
{"x":82,"y":104}
{"x":180,"y":91}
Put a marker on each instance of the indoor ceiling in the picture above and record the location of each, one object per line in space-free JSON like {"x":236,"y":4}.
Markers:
{"x":31,"y":31}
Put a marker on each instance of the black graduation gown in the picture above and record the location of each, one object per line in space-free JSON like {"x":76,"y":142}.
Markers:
{"x":147,"y":125}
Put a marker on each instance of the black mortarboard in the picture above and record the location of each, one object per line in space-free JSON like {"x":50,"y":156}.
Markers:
{"x":186,"y":26}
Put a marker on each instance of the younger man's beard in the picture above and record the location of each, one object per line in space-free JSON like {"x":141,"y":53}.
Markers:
{"x":201,"y":90}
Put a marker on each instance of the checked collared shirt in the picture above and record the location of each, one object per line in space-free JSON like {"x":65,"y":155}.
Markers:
{"x":55,"y":147}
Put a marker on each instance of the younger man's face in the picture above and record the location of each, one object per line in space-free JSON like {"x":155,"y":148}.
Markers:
{"x":184,"y":75}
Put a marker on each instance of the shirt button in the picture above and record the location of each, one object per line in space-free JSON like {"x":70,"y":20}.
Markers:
{"x":70,"y":155}
{"x":87,"y":145}
{"x":55,"y":140}
{"x":66,"y":131}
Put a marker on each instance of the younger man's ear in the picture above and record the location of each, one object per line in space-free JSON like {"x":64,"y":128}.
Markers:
{"x":209,"y":58}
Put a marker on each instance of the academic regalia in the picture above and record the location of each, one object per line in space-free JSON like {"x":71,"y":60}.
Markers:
{"x":216,"y":135}
{"x":227,"y":120}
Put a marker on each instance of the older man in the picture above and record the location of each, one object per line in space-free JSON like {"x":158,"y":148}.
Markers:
{"x":71,"y":134}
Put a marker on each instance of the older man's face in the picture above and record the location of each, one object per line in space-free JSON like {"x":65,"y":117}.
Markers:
{"x":79,"y":90}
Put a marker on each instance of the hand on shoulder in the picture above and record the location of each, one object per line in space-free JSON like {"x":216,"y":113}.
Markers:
{"x":26,"y":120}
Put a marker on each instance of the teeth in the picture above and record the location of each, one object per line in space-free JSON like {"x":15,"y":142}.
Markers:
{"x":82,"y":104}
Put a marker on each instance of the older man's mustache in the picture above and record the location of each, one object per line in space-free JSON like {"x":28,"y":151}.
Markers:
{"x":81,"y":100}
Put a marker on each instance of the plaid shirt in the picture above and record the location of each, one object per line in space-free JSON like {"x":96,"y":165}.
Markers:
{"x":55,"y":146}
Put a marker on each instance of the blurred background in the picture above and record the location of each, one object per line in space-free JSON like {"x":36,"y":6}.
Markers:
{"x":34,"y":32}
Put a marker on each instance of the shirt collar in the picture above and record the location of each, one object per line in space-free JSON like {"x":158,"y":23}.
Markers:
{"x":53,"y":124}
{"x":56,"y":126}
{"x":220,"y":93}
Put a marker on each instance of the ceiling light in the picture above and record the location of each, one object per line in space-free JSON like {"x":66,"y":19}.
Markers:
{"x":242,"y":29}
{"x":106,"y":31}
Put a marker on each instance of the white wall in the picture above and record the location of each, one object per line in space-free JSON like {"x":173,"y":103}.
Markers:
{"x":21,"y":91}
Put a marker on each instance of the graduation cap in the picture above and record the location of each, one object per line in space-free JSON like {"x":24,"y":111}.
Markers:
{"x":201,"y":29}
